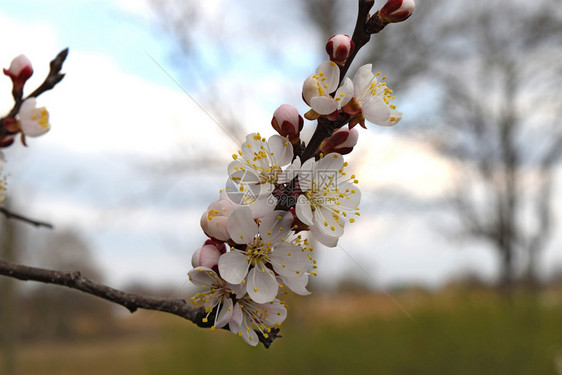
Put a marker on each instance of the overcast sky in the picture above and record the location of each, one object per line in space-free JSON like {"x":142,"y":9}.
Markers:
{"x":117,"y":115}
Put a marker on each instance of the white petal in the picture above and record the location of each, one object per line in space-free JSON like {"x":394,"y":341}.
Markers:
{"x":352,"y":196}
{"x":250,"y":146}
{"x":397,"y":117}
{"x":261,"y":285}
{"x":203,"y":276}
{"x":233,"y":267}
{"x":281,"y":149}
{"x":305,"y":174}
{"x":275,"y":226}
{"x":277,"y":313}
{"x":363,"y":79}
{"x":326,"y":222}
{"x":304,"y":211}
{"x":238,"y":289}
{"x":225,"y":313}
{"x":237,"y":318}
{"x":331,"y":72}
{"x":297,"y":284}
{"x":324,"y":105}
{"x":329,"y":164}
{"x":322,"y":238}
{"x":263,"y":206}
{"x":375,"y":110}
{"x":241,"y":225}
{"x":345,"y":92}
{"x":290,"y":172}
{"x":32,"y":128}
{"x":290,"y":260}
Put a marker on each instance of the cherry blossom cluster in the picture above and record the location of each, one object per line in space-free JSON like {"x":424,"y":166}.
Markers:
{"x":283,"y":194}
{"x":25,"y":118}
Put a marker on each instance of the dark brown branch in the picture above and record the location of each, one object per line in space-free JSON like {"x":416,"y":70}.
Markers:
{"x":11,"y":215}
{"x":54,"y":77}
{"x":130,"y":301}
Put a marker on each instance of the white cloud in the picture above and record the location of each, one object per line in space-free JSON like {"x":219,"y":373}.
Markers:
{"x":388,"y":161}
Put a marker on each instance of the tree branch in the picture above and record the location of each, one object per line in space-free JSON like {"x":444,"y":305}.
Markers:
{"x":54,"y":77}
{"x":130,"y":301}
{"x":11,"y":215}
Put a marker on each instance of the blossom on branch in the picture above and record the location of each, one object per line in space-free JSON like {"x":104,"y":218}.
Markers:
{"x":287,"y":122}
{"x":249,"y":316}
{"x":339,"y":48}
{"x":257,"y":168}
{"x":19,"y":71}
{"x":317,"y":88}
{"x":216,"y":294}
{"x":33,"y":121}
{"x":213,"y":221}
{"x":265,"y":251}
{"x":331,"y":199}
{"x":371,"y":100}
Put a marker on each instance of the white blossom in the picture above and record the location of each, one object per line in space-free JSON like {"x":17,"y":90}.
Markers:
{"x":216,"y":294}
{"x":257,"y":168}
{"x":33,"y":121}
{"x":329,"y":197}
{"x":249,"y":316}
{"x":371,"y":100}
{"x":318,"y":87}
{"x":265,"y":251}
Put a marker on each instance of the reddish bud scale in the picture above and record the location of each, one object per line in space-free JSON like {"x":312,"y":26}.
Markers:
{"x":339,"y":48}
{"x":19,"y":71}
{"x":341,"y":141}
{"x":397,"y":10}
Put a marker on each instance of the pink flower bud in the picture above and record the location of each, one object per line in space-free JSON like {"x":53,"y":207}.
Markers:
{"x":214,"y":219}
{"x":216,"y":243}
{"x":397,"y":10}
{"x":287,"y":122}
{"x":339,"y":47}
{"x":19,"y":71}
{"x":206,"y":256}
{"x":341,"y":141}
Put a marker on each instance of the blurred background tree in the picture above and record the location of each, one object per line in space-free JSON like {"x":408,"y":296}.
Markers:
{"x":31,"y":312}
{"x":47,"y":312}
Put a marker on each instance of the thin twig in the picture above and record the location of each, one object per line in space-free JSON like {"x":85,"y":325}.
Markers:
{"x":54,"y":77}
{"x":131,"y":301}
{"x":11,"y":215}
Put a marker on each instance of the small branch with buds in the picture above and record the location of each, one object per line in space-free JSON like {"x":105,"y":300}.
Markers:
{"x":52,"y":79}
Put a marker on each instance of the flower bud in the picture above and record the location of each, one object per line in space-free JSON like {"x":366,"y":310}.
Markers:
{"x":214,"y":219}
{"x":33,"y":121}
{"x":19,"y":71}
{"x":397,"y":10}
{"x":341,"y":141}
{"x":216,"y":243}
{"x":287,"y":122}
{"x":206,"y":256}
{"x":339,"y":47}
{"x":6,"y":140}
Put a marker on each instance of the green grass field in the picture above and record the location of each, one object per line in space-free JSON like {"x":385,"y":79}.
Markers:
{"x":457,"y":334}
